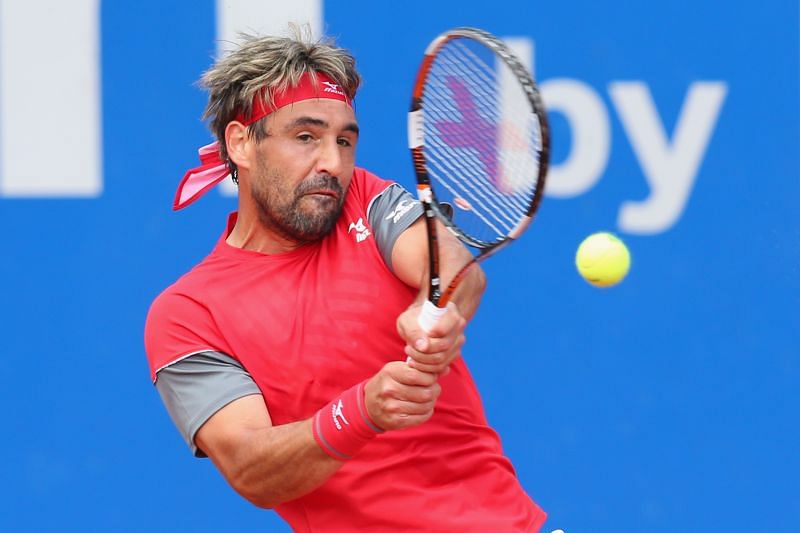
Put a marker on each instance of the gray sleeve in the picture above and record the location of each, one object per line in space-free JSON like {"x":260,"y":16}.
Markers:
{"x":390,"y":214}
{"x":195,"y":388}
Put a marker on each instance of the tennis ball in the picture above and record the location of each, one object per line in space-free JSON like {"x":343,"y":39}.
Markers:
{"x":602,"y":259}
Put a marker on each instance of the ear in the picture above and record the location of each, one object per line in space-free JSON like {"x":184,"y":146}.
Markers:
{"x":236,"y":142}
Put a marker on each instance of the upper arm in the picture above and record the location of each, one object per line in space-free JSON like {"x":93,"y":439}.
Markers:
{"x":391,"y":214}
{"x":220,"y":437}
{"x":199,"y":387}
{"x":402,"y":238}
{"x":410,"y":255}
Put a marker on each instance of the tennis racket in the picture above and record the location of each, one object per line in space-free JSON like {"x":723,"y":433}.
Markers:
{"x":480,"y":142}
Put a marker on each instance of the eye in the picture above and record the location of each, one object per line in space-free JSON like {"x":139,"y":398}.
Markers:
{"x":344,"y":141}
{"x":305,"y":137}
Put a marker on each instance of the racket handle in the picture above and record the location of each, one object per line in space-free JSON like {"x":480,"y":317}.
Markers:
{"x":430,"y":315}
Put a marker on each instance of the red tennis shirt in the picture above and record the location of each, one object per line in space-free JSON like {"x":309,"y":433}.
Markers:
{"x":309,"y":324}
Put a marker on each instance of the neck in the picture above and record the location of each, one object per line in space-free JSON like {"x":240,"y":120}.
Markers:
{"x":251,"y":233}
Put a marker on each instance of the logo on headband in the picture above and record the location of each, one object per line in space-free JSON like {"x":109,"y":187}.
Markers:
{"x":332,"y":88}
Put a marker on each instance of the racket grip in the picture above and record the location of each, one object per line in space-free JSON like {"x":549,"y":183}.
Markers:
{"x":430,"y":315}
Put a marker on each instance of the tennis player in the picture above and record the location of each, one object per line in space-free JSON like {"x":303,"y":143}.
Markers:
{"x":291,"y":355}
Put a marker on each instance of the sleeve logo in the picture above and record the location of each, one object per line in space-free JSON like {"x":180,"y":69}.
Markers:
{"x":403,"y":207}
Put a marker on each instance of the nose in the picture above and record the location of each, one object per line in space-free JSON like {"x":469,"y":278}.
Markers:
{"x":330,"y":158}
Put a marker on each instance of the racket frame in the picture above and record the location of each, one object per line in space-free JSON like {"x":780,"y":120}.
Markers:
{"x":432,"y":208}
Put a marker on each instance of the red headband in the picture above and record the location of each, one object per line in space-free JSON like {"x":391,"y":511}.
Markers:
{"x":213,"y":169}
{"x":305,"y":89}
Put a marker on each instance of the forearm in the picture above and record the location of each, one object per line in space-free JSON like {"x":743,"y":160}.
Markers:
{"x":277,"y":464}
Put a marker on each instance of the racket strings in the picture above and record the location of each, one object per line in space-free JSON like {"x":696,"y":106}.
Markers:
{"x":517,"y":201}
{"x":506,"y":224}
{"x":499,"y":207}
{"x":460,"y":61}
{"x":475,"y":180}
{"x":460,"y":55}
{"x":481,"y":140}
{"x":514,"y":202}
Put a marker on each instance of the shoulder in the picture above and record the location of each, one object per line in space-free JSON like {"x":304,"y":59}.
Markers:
{"x":184,"y":296}
{"x":180,"y":322}
{"x":172,"y":302}
{"x":366,"y":186}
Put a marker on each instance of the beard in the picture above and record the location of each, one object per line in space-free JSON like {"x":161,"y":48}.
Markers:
{"x":293,"y":213}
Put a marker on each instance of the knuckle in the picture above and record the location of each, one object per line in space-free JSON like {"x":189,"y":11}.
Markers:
{"x":429,"y":369}
{"x":412,"y":374}
{"x":392,"y":409}
{"x":389,"y":391}
{"x":435,"y":346}
{"x":426,"y":358}
{"x":430,"y":377}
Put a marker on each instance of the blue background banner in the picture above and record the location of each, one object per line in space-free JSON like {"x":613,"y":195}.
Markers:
{"x":668,"y":403}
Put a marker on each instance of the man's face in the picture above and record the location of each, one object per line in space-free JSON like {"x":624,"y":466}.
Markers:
{"x":303,"y":168}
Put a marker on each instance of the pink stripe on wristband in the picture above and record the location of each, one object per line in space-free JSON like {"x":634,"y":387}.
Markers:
{"x":342,"y":427}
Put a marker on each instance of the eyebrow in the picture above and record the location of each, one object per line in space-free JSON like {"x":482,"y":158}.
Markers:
{"x":318,"y":122}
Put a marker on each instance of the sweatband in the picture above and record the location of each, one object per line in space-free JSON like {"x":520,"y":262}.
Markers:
{"x":342,"y":427}
{"x":307,"y":88}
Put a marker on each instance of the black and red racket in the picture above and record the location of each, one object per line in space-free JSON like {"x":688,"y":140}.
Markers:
{"x":480,"y":142}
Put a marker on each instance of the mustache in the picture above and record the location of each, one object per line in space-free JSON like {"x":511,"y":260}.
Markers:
{"x":321,"y":182}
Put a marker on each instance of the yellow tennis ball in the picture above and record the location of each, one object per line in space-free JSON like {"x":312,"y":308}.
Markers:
{"x":602,"y":259}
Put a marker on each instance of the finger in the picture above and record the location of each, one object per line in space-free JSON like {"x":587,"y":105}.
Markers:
{"x":417,"y":338}
{"x":407,"y":421}
{"x":409,"y":329}
{"x":442,"y":344}
{"x":402,"y":409}
{"x":426,"y":362}
{"x":441,"y":370}
{"x":404,"y":374}
{"x":407,"y":393}
{"x":447,"y":352}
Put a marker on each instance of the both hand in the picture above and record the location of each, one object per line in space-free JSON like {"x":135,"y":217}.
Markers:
{"x":403,"y":394}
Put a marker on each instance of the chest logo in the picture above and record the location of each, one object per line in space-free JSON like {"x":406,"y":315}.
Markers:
{"x":362,"y":231}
